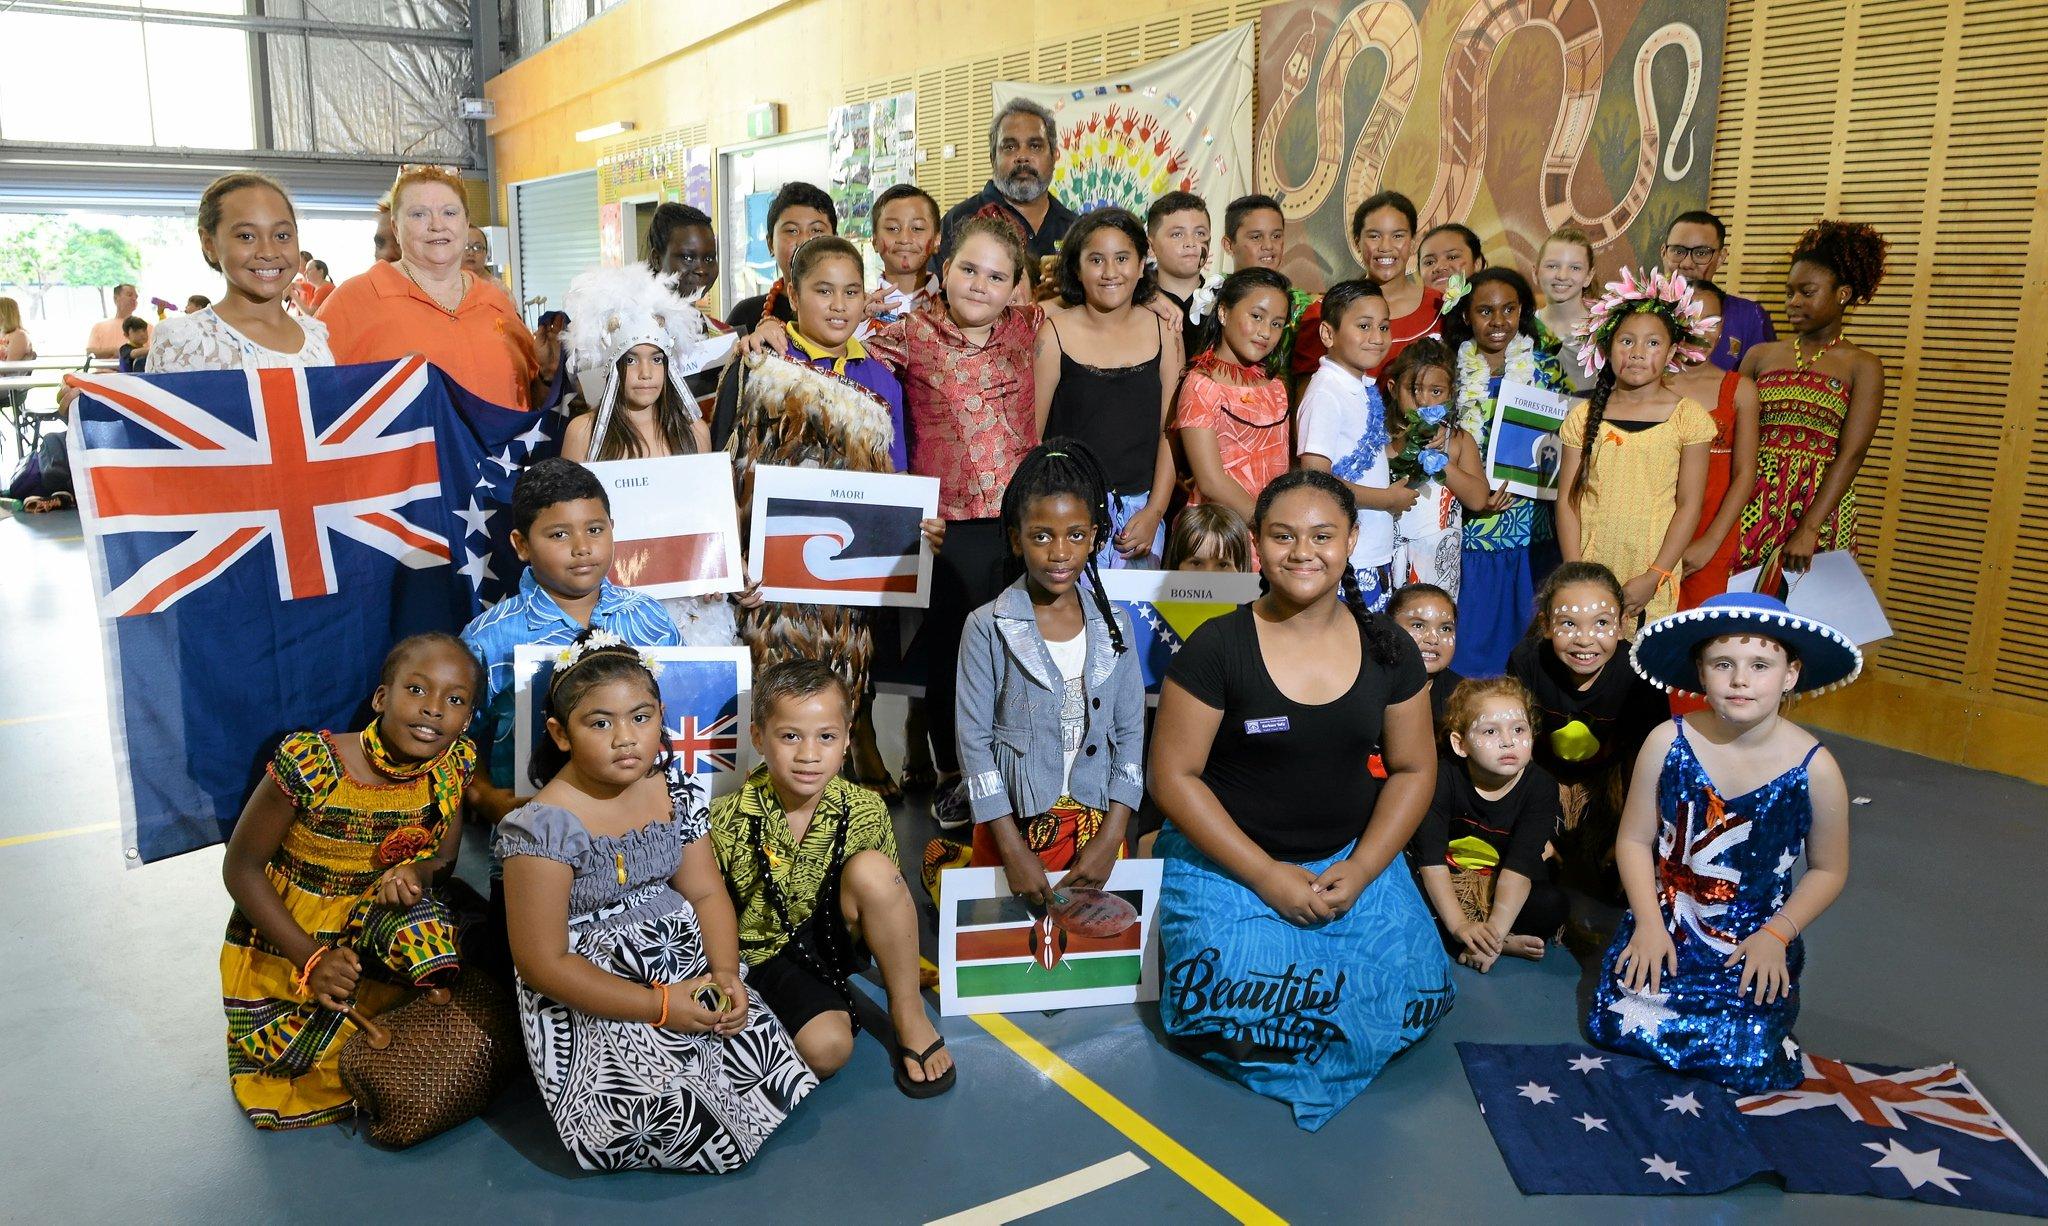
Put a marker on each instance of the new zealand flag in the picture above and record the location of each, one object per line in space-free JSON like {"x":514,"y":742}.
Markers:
{"x":259,"y":540}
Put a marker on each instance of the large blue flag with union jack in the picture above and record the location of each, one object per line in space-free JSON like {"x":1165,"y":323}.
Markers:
{"x":259,"y":540}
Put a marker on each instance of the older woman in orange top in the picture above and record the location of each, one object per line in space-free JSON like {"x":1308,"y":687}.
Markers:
{"x":425,"y":303}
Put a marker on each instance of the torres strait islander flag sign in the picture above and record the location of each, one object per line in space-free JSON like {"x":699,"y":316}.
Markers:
{"x":1165,"y":606}
{"x":995,"y":956}
{"x":676,"y":531}
{"x":825,"y":537}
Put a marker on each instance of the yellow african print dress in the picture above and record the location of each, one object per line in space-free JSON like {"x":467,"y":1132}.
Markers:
{"x":284,"y":1051}
{"x":1800,"y":418}
{"x":1632,"y":490}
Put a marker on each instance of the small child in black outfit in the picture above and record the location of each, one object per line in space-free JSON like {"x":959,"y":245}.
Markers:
{"x":1479,"y":853}
{"x":134,"y":351}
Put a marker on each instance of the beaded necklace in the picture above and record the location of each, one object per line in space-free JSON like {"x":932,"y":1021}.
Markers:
{"x":1211,"y":364}
{"x":461,"y":293}
{"x":444,"y":784}
{"x":832,"y":963}
{"x":1801,"y":360}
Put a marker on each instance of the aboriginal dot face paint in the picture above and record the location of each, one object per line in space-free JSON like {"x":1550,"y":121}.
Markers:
{"x":1433,"y":623}
{"x":1584,"y":626}
{"x":1499,"y":738}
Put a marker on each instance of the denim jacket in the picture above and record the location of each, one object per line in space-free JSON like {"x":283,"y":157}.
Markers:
{"x":1008,"y":712}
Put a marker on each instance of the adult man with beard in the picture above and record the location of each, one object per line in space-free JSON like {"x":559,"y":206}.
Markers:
{"x":1023,"y":146}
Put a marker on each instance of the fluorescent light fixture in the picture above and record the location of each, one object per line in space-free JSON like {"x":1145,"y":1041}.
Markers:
{"x":616,"y":127}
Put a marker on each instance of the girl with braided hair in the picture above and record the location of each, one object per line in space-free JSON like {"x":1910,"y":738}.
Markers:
{"x":1050,"y":703}
{"x":1818,"y":398}
{"x":1282,"y":849}
{"x":1634,"y":465}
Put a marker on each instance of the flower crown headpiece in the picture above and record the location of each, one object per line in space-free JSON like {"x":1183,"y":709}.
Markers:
{"x":1657,"y":293}
{"x":590,"y":644}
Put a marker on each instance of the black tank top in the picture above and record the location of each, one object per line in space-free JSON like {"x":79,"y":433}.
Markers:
{"x":1115,"y":410}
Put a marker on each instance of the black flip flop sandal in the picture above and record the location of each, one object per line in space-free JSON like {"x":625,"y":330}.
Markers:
{"x":923,"y":1089}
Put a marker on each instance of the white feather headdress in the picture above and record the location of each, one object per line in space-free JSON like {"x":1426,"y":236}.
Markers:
{"x":611,"y":310}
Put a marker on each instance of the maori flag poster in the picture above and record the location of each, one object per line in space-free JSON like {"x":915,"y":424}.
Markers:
{"x":1511,"y":117}
{"x":826,"y":537}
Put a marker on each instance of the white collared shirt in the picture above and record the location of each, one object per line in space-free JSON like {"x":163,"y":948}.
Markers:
{"x":1342,"y":420}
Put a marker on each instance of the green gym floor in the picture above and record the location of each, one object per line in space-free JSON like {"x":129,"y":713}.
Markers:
{"x":116,"y":1103}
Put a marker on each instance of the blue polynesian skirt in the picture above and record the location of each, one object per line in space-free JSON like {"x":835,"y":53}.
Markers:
{"x":1308,"y":1016}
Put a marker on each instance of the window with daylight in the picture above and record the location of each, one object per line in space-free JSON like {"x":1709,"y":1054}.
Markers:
{"x":100,"y":81}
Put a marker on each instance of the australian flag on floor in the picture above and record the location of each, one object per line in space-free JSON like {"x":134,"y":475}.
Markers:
{"x":259,"y":540}
{"x":1570,"y":1119}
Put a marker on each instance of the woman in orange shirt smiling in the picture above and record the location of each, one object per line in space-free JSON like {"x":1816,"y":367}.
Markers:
{"x":425,"y":303}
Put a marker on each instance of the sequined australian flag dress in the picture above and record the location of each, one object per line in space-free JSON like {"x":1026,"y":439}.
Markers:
{"x":1724,"y":866}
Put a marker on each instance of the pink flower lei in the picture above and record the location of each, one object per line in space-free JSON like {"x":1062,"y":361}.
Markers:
{"x":1656,"y":293}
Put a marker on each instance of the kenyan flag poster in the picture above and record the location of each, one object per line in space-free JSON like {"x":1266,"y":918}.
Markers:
{"x":1165,"y":606}
{"x":997,"y":956}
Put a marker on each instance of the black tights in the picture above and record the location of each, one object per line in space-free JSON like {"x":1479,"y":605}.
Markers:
{"x":967,"y":574}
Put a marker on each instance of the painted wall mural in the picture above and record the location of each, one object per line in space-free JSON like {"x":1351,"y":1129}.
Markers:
{"x":1515,"y":117}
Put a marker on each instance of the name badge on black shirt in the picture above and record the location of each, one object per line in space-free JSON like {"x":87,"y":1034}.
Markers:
{"x":1276,"y":723}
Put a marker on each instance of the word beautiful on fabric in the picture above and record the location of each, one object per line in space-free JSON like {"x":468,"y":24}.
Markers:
{"x":1285,"y":1011}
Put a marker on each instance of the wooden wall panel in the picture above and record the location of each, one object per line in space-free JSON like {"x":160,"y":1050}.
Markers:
{"x":1927,"y":120}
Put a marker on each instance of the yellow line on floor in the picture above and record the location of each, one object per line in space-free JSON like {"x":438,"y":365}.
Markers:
{"x":1147,"y":1136}
{"x":33,"y":719}
{"x":17,"y":840}
{"x":1045,"y":1195}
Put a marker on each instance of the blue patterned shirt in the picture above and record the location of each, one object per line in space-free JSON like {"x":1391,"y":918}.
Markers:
{"x":532,"y":616}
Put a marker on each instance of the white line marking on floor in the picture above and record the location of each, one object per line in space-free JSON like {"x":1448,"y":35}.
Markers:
{"x":1051,"y":1192}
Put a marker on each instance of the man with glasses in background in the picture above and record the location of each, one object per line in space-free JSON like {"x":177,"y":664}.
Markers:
{"x":476,"y":256}
{"x":1694,"y":247}
{"x":1023,"y":146}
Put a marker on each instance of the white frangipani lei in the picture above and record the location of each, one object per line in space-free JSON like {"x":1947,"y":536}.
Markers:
{"x":1475,"y":409}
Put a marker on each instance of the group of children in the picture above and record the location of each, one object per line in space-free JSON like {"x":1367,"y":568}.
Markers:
{"x":1305,"y":746}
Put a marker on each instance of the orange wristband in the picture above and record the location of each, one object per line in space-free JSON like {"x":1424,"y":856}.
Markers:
{"x":1782,"y":940}
{"x":661,"y":1021}
{"x":306,"y":971}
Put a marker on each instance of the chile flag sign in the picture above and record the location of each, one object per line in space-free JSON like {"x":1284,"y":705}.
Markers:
{"x":259,"y":539}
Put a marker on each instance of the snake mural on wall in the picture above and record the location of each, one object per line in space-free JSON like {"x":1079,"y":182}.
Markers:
{"x":1310,"y":48}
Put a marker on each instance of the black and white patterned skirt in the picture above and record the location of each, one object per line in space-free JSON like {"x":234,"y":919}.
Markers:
{"x":628,"y":1095}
